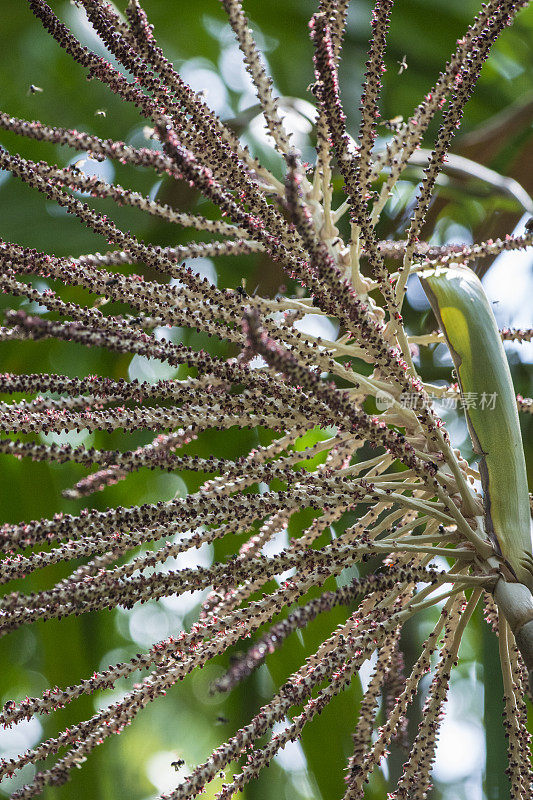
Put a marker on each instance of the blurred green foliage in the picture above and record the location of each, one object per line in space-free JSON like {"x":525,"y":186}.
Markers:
{"x":193,"y":33}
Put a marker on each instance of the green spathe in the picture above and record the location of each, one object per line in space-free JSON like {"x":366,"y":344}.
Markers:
{"x":467,"y":321}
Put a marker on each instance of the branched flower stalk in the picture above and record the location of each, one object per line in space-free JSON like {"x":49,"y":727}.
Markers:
{"x":415,"y":497}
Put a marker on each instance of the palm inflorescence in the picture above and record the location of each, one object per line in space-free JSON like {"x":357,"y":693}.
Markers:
{"x":396,"y":515}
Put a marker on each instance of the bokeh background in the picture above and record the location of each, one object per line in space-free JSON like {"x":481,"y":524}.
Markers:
{"x":497,"y":133}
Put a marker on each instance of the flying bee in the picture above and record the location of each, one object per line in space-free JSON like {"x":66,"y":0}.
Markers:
{"x":403,"y":65}
{"x":177,"y":764}
{"x":100,"y":112}
{"x":32,"y":89}
{"x":100,"y":301}
{"x":393,"y":124}
{"x":242,"y":288}
{"x":149,"y":133}
{"x":220,"y":720}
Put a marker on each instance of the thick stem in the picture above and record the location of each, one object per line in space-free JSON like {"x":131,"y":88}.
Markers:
{"x":515,"y":601}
